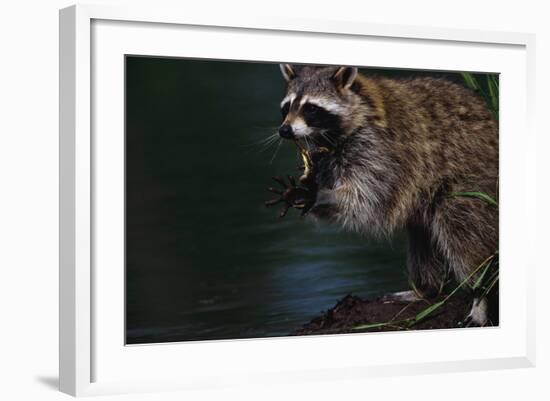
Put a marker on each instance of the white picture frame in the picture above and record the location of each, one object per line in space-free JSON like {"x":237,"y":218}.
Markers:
{"x":92,"y":356}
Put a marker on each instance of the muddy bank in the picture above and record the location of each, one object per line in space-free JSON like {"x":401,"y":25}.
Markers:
{"x":352,"y":312}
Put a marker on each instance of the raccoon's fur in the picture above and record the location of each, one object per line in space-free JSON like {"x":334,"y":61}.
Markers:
{"x":399,"y":149}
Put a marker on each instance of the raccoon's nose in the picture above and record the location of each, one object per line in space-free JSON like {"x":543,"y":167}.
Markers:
{"x":285,"y":131}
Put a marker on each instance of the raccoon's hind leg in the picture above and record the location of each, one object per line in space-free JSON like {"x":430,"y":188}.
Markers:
{"x":467,"y":233}
{"x":425,"y":264}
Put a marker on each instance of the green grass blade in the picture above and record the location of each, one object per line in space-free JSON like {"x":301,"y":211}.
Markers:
{"x":486,"y":261}
{"x":369,"y":326}
{"x":486,"y":86}
{"x":470,"y":80}
{"x":479,"y":280}
{"x":475,"y":194}
{"x":428,"y":311}
{"x":489,"y":287}
{"x":492,"y":84}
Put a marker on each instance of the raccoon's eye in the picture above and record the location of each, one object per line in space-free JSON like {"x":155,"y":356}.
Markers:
{"x":311,"y":109}
{"x":285,"y":109}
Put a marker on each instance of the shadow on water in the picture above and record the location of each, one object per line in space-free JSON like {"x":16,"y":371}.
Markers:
{"x":205,"y":259}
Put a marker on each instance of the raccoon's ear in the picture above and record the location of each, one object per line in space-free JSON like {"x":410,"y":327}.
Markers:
{"x":288,"y":72}
{"x":345,"y":76}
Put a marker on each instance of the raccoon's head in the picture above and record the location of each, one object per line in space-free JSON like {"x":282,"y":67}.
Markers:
{"x":319,"y":104}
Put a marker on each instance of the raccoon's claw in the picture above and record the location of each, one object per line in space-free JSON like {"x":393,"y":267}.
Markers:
{"x":285,"y":211}
{"x":275,"y":191}
{"x":291,"y":194}
{"x":273,"y":202}
{"x":292,"y":181}
{"x":280,"y":180}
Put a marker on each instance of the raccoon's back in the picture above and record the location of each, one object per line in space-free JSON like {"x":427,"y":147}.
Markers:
{"x":442,"y":128}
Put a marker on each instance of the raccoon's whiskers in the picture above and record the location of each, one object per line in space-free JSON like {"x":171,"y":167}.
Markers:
{"x":267,"y":144}
{"x":327,"y":138}
{"x":269,"y":139}
{"x":264,"y":141}
{"x":276,"y":150}
{"x":308,"y":147}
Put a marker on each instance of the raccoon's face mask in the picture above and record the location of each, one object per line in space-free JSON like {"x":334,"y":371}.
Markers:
{"x":315,"y":103}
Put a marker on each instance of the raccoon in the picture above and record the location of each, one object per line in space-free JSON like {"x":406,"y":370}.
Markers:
{"x":387,"y":154}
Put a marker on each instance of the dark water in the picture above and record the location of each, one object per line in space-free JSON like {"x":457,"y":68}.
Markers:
{"x":205,"y":258}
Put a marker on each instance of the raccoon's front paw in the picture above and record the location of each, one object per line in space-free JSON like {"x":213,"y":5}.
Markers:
{"x":291,"y":195}
{"x":402,"y":296}
{"x":326,"y":204}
